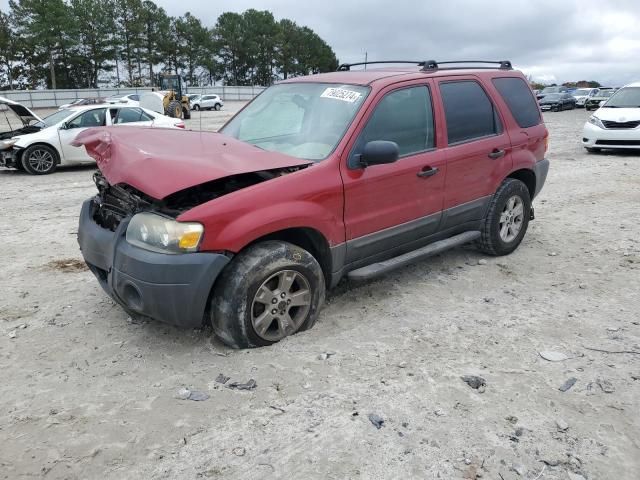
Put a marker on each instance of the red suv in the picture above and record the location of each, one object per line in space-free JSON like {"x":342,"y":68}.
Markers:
{"x":351,"y":173}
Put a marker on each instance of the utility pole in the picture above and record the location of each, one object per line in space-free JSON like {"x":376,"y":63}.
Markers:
{"x":366,"y":54}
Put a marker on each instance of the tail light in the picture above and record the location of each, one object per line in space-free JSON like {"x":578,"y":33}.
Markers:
{"x":179,"y":125}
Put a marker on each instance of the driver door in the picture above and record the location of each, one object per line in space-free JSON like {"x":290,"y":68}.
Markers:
{"x":68,"y":132}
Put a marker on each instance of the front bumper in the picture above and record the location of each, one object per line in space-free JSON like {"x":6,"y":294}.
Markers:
{"x":621,"y":138}
{"x":172,"y":289}
{"x":9,"y":157}
{"x":540,"y":169}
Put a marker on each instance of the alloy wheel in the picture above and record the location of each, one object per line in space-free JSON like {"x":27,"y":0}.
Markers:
{"x":511,"y":219}
{"x":41,"y":160}
{"x":280,"y":305}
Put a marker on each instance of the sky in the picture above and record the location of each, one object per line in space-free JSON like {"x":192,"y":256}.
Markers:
{"x":554,"y":41}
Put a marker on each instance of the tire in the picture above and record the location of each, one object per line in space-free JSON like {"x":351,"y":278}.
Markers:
{"x":216,"y":107}
{"x":39,"y":159}
{"x":174,"y":109}
{"x":186,"y":114}
{"x":258,"y":271}
{"x":592,"y":149}
{"x":196,"y":107}
{"x":493,"y":241}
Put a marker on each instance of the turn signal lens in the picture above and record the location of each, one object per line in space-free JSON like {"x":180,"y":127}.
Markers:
{"x":189,"y":240}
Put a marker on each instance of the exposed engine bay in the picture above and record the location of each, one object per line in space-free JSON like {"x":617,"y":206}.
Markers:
{"x":19,"y":131}
{"x":113,"y":203}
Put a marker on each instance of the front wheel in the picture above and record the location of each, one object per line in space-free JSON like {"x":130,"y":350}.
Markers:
{"x":196,"y":107}
{"x":269,"y":291}
{"x":507,"y":218}
{"x":217,"y":107}
{"x":174,"y":109}
{"x":39,"y":159}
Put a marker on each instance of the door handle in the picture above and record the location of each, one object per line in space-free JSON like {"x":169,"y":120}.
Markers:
{"x":496,"y":153}
{"x":427,"y":172}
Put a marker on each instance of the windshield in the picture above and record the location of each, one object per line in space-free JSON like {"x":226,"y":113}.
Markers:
{"x":551,"y":90}
{"x":552,"y":96}
{"x":54,"y":118}
{"x":605,"y":93}
{"x":580,"y":92}
{"x":625,"y":98}
{"x":304,"y":120}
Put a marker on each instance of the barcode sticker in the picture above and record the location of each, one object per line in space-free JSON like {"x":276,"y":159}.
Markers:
{"x":341,"y":94}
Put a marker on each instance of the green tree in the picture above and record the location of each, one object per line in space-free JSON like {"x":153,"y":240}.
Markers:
{"x":95,"y":47}
{"x":191,"y":38}
{"x":156,"y":28}
{"x":46,"y":31}
{"x":129,"y":25}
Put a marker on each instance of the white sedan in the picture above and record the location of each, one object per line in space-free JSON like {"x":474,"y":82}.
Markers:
{"x":616,"y":124}
{"x":130,"y":99}
{"x":41,"y":152}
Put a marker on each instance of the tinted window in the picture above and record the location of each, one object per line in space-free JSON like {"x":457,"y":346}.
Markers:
{"x":91,"y":118}
{"x":129,"y":115}
{"x":469,"y":112}
{"x":403,"y":116}
{"x":134,"y":97}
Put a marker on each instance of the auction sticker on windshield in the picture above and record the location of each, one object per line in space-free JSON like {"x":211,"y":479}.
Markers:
{"x":341,"y":94}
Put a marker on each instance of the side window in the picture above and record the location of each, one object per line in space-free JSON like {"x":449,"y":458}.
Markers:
{"x":403,"y":116}
{"x":91,"y":118}
{"x":134,"y":97}
{"x":516,"y":94}
{"x":129,"y":115}
{"x":468,"y":111}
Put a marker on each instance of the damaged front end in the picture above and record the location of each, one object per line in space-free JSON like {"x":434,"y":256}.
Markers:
{"x":114,"y":203}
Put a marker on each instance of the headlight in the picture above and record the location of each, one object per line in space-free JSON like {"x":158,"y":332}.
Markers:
{"x":164,"y":235}
{"x":595,"y":121}
{"x":4,"y":144}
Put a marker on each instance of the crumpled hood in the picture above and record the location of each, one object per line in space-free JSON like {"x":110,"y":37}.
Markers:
{"x":159,"y":162}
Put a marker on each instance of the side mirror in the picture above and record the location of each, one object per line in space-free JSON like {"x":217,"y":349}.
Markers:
{"x":377,"y":152}
{"x":64,"y":126}
{"x":602,"y":103}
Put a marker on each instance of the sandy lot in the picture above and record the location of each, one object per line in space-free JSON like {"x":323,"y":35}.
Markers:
{"x":87,"y":393}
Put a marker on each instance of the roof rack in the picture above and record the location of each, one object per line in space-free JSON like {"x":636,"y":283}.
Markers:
{"x":345,"y":67}
{"x":432,"y":65}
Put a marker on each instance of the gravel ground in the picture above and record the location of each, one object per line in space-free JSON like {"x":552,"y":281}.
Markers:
{"x":88,"y":393}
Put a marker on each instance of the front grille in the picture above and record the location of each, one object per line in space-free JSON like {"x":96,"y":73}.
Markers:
{"x":612,"y":124}
{"x":622,"y":143}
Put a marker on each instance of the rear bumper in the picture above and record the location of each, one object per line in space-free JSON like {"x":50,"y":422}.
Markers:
{"x":172,"y":289}
{"x":623,"y":138}
{"x":541,"y":169}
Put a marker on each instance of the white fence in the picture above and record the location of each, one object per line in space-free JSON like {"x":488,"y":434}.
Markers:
{"x":55,"y":98}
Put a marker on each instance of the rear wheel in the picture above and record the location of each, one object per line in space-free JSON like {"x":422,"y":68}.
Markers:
{"x":216,"y":106}
{"x":196,"y":107}
{"x":507,"y":219}
{"x":39,"y":159}
{"x":269,"y":291}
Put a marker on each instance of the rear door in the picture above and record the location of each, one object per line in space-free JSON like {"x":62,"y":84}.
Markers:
{"x":478,"y":150}
{"x":133,"y":116}
{"x":388,"y":206}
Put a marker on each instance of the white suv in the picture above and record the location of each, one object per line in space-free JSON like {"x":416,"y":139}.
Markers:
{"x":207,"y":102}
{"x":583,"y":94}
{"x":616,"y":124}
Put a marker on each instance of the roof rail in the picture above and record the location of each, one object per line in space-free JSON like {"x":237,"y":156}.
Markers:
{"x":432,"y":65}
{"x":345,"y":67}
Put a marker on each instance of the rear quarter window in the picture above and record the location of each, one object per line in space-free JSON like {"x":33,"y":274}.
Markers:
{"x":518,"y":97}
